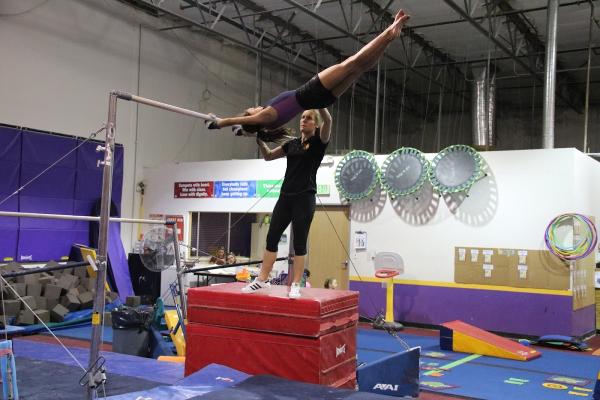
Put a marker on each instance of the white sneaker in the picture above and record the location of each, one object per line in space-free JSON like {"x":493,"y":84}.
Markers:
{"x":294,"y":291}
{"x":255,"y":285}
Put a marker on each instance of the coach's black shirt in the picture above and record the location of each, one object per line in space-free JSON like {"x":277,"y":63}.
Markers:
{"x":303,"y":161}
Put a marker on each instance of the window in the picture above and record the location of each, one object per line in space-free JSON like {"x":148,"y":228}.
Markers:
{"x":211,"y":230}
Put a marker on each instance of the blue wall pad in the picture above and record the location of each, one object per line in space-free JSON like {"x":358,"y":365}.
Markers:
{"x":212,"y":377}
{"x":395,"y":375}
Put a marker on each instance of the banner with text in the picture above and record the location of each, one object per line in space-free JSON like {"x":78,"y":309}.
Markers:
{"x":193,"y":190}
{"x":268,"y":188}
{"x":235,"y":189}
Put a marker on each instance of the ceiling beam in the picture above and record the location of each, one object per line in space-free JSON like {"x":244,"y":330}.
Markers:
{"x":358,"y":39}
{"x":533,"y":39}
{"x":445,"y":58}
{"x":506,"y":50}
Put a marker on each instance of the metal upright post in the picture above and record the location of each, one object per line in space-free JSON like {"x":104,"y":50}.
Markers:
{"x":179,"y":270}
{"x":98,"y":309}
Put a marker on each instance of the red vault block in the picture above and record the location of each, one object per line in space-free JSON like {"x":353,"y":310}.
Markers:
{"x":317,"y":312}
{"x":327,"y":360}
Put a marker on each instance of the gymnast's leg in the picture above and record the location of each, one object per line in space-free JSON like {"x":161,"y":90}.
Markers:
{"x":280,"y":219}
{"x":338,"y":78}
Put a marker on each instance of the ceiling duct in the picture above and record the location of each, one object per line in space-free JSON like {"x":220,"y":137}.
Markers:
{"x":483,"y":109}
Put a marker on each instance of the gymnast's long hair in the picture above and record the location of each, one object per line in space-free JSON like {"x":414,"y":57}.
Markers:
{"x":278,"y":135}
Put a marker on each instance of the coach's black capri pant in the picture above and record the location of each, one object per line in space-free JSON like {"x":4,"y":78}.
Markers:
{"x":297,"y":209}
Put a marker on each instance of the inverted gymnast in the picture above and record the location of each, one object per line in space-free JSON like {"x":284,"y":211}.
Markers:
{"x":296,"y":203}
{"x":319,"y":92}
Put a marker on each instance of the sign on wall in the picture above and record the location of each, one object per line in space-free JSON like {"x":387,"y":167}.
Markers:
{"x":235,"y":189}
{"x":270,"y":188}
{"x":178,"y":219}
{"x":193,"y":190}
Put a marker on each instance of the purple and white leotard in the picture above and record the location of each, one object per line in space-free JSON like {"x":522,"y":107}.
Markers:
{"x":311,"y":95}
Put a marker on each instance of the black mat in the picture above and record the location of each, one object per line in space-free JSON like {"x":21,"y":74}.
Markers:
{"x":46,"y":380}
{"x":265,"y":387}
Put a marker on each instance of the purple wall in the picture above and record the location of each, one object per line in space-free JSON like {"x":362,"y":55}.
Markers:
{"x":531,"y":314}
{"x":70,"y":187}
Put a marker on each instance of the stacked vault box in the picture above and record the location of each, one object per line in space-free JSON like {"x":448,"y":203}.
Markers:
{"x":311,"y":339}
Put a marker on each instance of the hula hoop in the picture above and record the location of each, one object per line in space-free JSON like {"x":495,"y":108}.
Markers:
{"x":582,"y":248}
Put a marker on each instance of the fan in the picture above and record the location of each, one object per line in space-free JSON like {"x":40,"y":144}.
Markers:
{"x":157,"y":249}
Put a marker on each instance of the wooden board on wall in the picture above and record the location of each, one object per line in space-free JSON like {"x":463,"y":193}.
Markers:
{"x":328,"y":244}
{"x":535,"y":269}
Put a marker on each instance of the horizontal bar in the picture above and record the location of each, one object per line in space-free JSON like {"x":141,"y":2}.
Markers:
{"x":158,"y":104}
{"x":189,"y":271}
{"x":31,"y":271}
{"x":82,"y":218}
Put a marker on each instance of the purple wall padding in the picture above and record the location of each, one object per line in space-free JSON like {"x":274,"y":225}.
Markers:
{"x":8,"y":243}
{"x":46,"y":244}
{"x":89,"y":176}
{"x":9,"y":183}
{"x":118,"y":262}
{"x":12,"y":204}
{"x":10,"y":144}
{"x":88,"y":183}
{"x":71,"y":187}
{"x":46,"y":206}
{"x":532,"y":314}
{"x":9,"y":229}
{"x":44,"y":148}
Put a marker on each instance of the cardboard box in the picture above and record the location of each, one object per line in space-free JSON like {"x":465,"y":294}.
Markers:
{"x":480,"y":266}
{"x":464,"y":270}
{"x":584,"y":292}
{"x":535,"y":269}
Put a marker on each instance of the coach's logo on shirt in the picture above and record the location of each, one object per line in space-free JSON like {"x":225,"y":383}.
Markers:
{"x":340,"y":350}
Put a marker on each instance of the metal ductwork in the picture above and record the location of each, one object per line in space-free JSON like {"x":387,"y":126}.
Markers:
{"x":483,"y":109}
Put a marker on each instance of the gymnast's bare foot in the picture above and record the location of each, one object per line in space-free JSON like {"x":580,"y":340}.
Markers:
{"x":399,"y":21}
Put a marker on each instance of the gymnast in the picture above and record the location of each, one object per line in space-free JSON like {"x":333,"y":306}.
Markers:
{"x":296,"y":203}
{"x":319,"y":92}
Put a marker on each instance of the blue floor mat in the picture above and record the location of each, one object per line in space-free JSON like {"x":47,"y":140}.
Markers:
{"x":210,"y":378}
{"x":566,"y":375}
{"x":121,"y":364}
{"x":83,"y":332}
